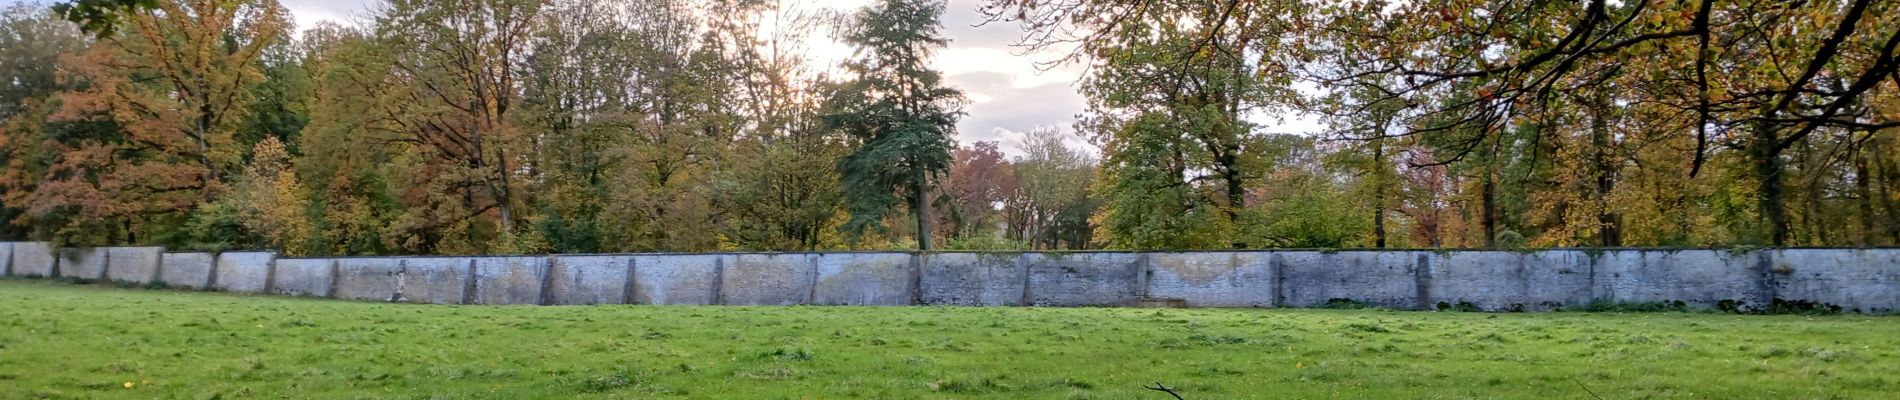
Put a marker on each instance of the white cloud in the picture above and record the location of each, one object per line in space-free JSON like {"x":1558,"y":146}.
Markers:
{"x":308,"y":12}
{"x":1011,"y":108}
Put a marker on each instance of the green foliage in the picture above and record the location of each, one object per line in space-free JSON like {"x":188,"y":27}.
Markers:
{"x":985,"y":243}
{"x":1346,"y":304}
{"x":577,"y":235}
{"x":1050,"y":204}
{"x":101,"y":17}
{"x":214,"y":226}
{"x":473,"y":126}
{"x":1510,"y":239}
{"x":898,"y":109}
{"x":1148,"y":205}
{"x":1606,"y":305}
{"x":786,"y":196}
{"x":1313,"y":215}
{"x":281,"y":109}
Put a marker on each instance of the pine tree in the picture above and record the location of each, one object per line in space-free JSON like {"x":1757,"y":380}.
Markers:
{"x":899,"y":110}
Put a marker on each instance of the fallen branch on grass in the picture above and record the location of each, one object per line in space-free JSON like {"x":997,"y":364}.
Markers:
{"x":1165,"y":389}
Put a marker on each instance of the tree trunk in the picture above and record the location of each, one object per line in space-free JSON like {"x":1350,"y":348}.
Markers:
{"x":502,"y":194}
{"x":1609,"y":224}
{"x":205,"y":117}
{"x":1865,"y":190}
{"x":1236,"y":192}
{"x":922,"y":209}
{"x":1815,"y":218}
{"x":1488,"y":216}
{"x":1770,"y":200}
{"x":1378,"y":191}
{"x":1882,"y":168}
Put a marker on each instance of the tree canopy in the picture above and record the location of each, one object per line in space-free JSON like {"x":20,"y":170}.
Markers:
{"x":534,"y":126}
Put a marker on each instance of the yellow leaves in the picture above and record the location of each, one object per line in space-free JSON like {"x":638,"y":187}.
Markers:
{"x":269,"y":157}
{"x":1718,"y":94}
{"x":271,"y":201}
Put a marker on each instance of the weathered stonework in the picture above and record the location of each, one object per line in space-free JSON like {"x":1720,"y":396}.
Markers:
{"x":1866,"y":280}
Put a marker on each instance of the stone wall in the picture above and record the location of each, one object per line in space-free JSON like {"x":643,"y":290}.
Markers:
{"x":186,"y":270}
{"x":677,"y":278}
{"x":245,"y":272}
{"x":82,"y":263}
{"x":6,"y":258}
{"x":587,"y":280}
{"x":871,"y":279}
{"x":133,"y":264}
{"x":768,"y":279}
{"x":508,"y":280}
{"x":1231,"y":279}
{"x":303,"y":277}
{"x":1865,"y":280}
{"x":973,"y":279}
{"x":31,"y":259}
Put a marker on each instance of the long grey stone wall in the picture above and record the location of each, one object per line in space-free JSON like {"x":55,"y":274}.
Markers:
{"x":1865,"y":280}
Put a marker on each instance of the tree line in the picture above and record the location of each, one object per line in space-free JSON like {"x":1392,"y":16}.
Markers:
{"x":531,"y":126}
{"x":1487,"y":123}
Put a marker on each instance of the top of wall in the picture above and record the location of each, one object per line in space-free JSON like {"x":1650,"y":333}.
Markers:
{"x":1737,"y":249}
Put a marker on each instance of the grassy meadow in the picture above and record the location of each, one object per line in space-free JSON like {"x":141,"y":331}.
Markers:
{"x":60,"y":341}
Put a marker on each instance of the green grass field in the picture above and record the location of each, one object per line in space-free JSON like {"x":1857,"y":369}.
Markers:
{"x":63,"y":341}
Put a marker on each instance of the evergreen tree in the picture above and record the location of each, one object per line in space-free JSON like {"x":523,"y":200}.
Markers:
{"x":899,"y":110}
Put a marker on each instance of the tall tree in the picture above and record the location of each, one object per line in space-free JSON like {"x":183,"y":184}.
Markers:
{"x":31,"y":44}
{"x":781,"y":190}
{"x":1368,"y":149}
{"x":679,"y":124}
{"x":451,"y":72}
{"x":350,"y":154}
{"x":1051,"y":205}
{"x":898,"y":109}
{"x":153,"y":119}
{"x":1735,"y":74}
{"x":577,"y":74}
{"x":1173,"y":86}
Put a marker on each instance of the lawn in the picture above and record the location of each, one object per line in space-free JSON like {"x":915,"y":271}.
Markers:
{"x":64,"y":341}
